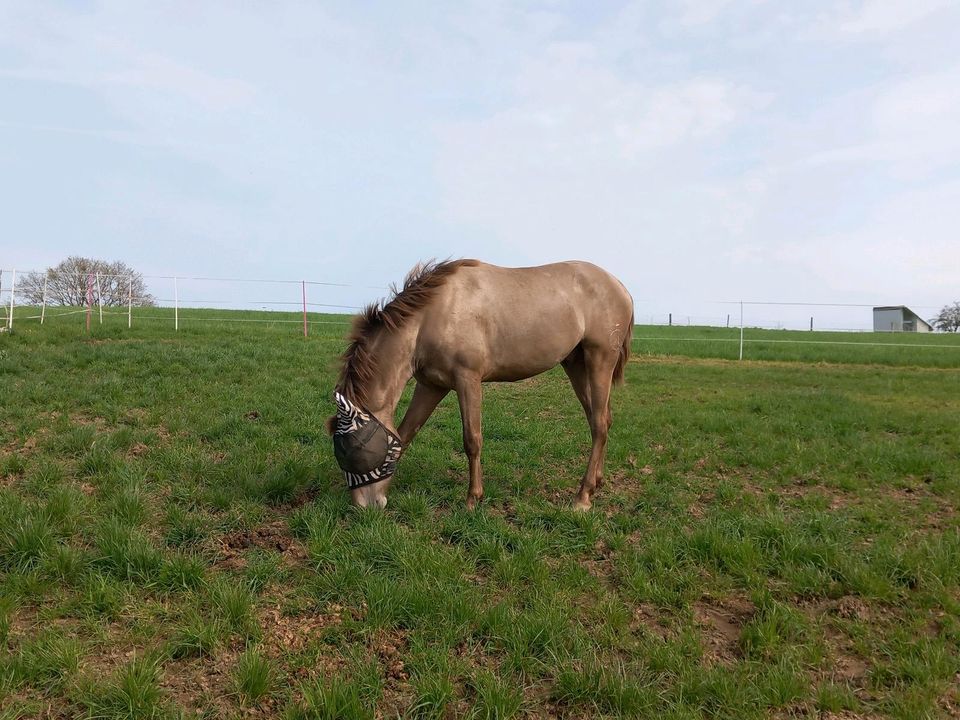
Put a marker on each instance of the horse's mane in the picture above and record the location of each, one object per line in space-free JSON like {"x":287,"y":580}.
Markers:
{"x":419,"y":287}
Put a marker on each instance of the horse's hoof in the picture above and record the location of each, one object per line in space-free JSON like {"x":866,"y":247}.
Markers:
{"x":472,"y":503}
{"x":581,"y":505}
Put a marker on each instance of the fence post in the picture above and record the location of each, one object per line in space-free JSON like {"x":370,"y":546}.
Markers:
{"x":303,"y":286}
{"x":43,"y":307}
{"x":741,"y":329}
{"x":670,"y":319}
{"x":811,"y":323}
{"x":13,"y":292}
{"x":728,"y":319}
{"x":99,"y":298}
{"x":89,"y":298}
{"x":176,"y":306}
{"x":130,"y":302}
{"x":1,"y":282}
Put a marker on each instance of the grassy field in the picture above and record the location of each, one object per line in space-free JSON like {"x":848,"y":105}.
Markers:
{"x":776,"y":538}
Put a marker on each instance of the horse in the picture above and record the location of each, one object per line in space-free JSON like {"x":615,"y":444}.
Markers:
{"x":457,"y":324}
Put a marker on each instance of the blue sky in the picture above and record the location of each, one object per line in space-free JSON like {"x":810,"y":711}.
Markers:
{"x":702,"y":151}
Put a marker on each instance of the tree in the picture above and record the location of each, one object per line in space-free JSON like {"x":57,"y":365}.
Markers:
{"x":68,"y":283}
{"x":949,"y":318}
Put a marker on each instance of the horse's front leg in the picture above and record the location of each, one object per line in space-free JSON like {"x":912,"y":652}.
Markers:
{"x":470,"y":395}
{"x":424,"y":402}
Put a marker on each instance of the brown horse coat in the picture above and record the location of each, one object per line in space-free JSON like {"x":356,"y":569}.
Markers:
{"x":459,"y":324}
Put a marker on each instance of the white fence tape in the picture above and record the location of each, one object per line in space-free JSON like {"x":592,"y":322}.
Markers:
{"x":738,"y":319}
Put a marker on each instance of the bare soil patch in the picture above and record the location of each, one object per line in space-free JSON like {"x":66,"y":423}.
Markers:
{"x":720,"y":626}
{"x":285,"y":633}
{"x":274,"y":536}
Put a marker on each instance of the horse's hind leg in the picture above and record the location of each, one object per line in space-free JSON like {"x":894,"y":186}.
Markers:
{"x":599,"y":365}
{"x":470,"y":395}
{"x":576,"y":368}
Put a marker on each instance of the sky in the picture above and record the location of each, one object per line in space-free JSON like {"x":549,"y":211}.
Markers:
{"x":703,"y":151}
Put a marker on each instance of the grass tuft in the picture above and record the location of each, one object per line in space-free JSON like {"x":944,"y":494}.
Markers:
{"x":495,"y":698}
{"x":132,"y":694}
{"x":182,"y":571}
{"x":434,"y":694}
{"x":127,"y":553}
{"x":331,"y":699}
{"x":234,"y":603}
{"x":605,"y":688}
{"x":196,"y":637}
{"x":253,"y":676}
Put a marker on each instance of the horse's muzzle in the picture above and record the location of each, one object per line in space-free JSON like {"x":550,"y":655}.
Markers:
{"x":371,"y":496}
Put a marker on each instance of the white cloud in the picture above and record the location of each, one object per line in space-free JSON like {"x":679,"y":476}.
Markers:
{"x":900,"y":249}
{"x":153,"y":72}
{"x":881,"y":17}
{"x":694,"y":148}
{"x":574,"y":115}
{"x":702,"y":12}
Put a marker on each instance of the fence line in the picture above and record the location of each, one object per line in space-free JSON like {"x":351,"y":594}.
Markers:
{"x":217,"y":279}
{"x":798,"y":342}
{"x":286,"y":309}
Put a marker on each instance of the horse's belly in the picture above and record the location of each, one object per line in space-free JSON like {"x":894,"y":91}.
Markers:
{"x":511,"y":374}
{"x":495,"y":357}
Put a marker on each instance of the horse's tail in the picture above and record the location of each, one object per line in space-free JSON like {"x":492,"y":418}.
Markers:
{"x":624,"y":354}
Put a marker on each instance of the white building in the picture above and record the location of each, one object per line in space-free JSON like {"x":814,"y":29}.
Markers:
{"x":898,"y":318}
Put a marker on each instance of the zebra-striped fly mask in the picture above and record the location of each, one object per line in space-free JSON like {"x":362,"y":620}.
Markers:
{"x":366,"y":450}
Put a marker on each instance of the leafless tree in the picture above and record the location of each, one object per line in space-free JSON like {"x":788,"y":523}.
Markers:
{"x":949,"y":318}
{"x":109,"y":283}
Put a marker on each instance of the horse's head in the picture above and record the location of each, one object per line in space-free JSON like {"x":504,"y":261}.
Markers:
{"x":366,"y":450}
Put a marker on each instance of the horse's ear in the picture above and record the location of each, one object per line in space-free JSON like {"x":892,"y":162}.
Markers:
{"x":331,"y":424}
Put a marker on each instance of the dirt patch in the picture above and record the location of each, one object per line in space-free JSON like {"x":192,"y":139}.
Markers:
{"x":845,"y":665}
{"x":283,"y":633}
{"x":631,"y":478}
{"x":198,"y":685}
{"x":850,"y":607}
{"x":804,"y":488}
{"x":205,"y":684}
{"x":23,"y":624}
{"x":138,"y":449}
{"x":939,"y":517}
{"x":25,"y":447}
{"x":96,"y":421}
{"x":720,"y":627}
{"x":949,"y":702}
{"x":274,"y":536}
{"x":802,"y":710}
{"x":389,"y":646}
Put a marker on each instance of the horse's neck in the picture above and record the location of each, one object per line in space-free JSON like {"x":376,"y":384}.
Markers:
{"x":393,"y":352}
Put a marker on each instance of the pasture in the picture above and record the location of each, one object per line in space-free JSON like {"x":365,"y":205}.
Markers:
{"x":777,"y":537}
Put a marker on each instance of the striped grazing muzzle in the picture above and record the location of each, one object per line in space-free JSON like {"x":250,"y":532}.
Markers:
{"x":365,"y":449}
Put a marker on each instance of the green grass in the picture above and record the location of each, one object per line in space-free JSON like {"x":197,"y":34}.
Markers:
{"x":776,"y":537}
{"x":253,"y":676}
{"x":133,"y":693}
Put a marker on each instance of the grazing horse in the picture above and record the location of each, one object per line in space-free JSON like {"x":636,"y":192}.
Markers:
{"x":455,"y":325}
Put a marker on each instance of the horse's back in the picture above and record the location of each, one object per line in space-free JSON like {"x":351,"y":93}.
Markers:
{"x":511,"y":323}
